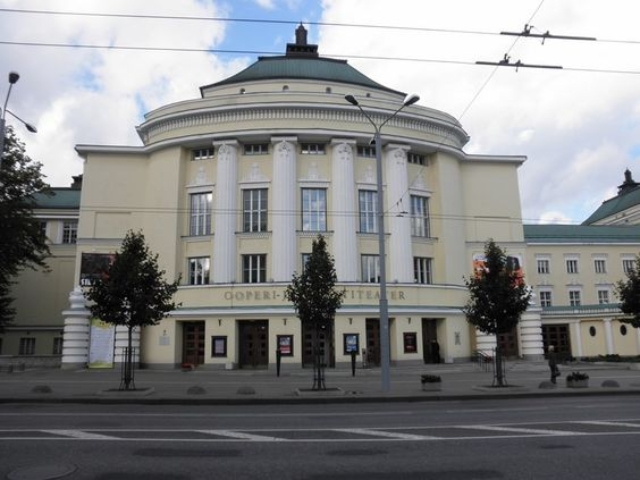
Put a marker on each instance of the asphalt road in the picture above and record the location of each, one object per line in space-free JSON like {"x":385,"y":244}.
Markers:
{"x":563,"y":438}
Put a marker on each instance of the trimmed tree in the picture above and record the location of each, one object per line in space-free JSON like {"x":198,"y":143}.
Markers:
{"x":22,"y":242}
{"x":132,"y":293}
{"x":498,"y":297}
{"x":316,"y":299}
{"x":629,"y":293}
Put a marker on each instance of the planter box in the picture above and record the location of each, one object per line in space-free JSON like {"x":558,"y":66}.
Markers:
{"x":577,"y":383}
{"x":432,"y":386}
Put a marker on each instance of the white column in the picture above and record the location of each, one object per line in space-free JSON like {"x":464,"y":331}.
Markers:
{"x":531,"y":335}
{"x":344,"y":222}
{"x":225,"y":207}
{"x":122,"y":342}
{"x":75,"y":340}
{"x":576,"y":350}
{"x":400,"y":255}
{"x":608,"y":335}
{"x":486,"y":343}
{"x":283,"y":215}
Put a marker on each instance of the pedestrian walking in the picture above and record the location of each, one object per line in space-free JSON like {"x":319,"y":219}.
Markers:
{"x":553,"y":363}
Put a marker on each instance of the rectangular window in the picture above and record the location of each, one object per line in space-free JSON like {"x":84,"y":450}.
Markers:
{"x":57,"y":346}
{"x":422,"y":270}
{"x":314,"y":210}
{"x":572,"y":266}
{"x":200,"y":213}
{"x":70,"y":231}
{"x":416,"y":158}
{"x":628,"y":265}
{"x":255,"y":210}
{"x":368,"y":211}
{"x":305,"y":260}
{"x":199,"y":270}
{"x":43,"y":228}
{"x":420,"y":216}
{"x":254,"y":268}
{"x":543,"y":266}
{"x":202,"y":153}
{"x":603,"y":296}
{"x":600,"y":266}
{"x":574,"y":298}
{"x":312,"y":148}
{"x":370,"y":268}
{"x":256,"y":149}
{"x":545,"y":298}
{"x":366,"y":151}
{"x":27,"y":346}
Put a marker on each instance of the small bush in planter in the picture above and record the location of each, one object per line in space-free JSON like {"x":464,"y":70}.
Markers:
{"x":430,"y":378}
{"x":575,"y":376}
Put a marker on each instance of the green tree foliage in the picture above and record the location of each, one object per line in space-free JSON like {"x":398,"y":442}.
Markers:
{"x":629,"y":293}
{"x":314,"y":295}
{"x":132,"y":291}
{"x":22,"y":243}
{"x":498,"y":297}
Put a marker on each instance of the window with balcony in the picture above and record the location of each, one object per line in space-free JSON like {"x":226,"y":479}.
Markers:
{"x":314,"y":210}
{"x":368,"y":211}
{"x":254,"y":210}
{"x":603,"y":296}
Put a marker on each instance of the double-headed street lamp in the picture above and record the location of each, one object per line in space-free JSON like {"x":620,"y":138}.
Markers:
{"x":385,"y":354}
{"x":13,"y":78}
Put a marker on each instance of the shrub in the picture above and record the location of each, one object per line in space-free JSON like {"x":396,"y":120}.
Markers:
{"x":426,"y":378}
{"x":577,"y":376}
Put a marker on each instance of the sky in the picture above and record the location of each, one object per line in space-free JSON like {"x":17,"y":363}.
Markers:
{"x":578,"y":126}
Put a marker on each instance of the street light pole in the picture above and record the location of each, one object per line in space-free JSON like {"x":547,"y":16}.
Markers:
{"x":385,"y":351}
{"x":13,"y":79}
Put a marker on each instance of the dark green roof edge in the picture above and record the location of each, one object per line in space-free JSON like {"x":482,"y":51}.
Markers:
{"x":614,"y":205}
{"x":319,"y":68}
{"x":58,"y":198}
{"x":581,"y":234}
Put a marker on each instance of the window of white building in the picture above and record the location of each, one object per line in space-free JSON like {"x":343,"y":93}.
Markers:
{"x":628,"y":264}
{"x":543,"y":266}
{"x":27,"y":346}
{"x":603,"y":296}
{"x":70,"y":231}
{"x":254,"y":210}
{"x":256,"y":148}
{"x":575,"y":299}
{"x":545,"y":298}
{"x":200,"y":213}
{"x":314,"y":210}
{"x":312,"y":149}
{"x":368,"y":211}
{"x":420,"y":216}
{"x":366,"y":151}
{"x":600,"y":265}
{"x":202,"y":153}
{"x":422,"y":270}
{"x":254,"y":268}
{"x":199,"y":270}
{"x":370,"y":268}
{"x":416,"y":158}
{"x":572,"y":265}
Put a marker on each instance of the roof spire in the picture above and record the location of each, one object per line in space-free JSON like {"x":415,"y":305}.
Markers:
{"x":628,"y":183}
{"x":301,"y":48}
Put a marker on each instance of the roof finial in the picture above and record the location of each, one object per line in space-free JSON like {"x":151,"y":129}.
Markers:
{"x":301,"y":48}
{"x":301,"y":35}
{"x":628,"y":183}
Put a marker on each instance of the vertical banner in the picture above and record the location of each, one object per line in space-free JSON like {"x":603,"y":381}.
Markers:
{"x":102,"y":341}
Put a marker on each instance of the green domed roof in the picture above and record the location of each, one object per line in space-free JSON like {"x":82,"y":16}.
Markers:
{"x":302,"y":62}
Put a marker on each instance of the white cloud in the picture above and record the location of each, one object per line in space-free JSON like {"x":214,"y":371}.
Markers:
{"x":266,"y":4}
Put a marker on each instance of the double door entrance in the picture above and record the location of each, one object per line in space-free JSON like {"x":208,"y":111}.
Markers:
{"x":254,"y":344}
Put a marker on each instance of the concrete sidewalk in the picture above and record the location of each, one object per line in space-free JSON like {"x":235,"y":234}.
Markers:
{"x":203,"y":387}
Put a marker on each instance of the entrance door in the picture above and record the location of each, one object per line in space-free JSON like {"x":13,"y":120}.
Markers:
{"x":558,"y":336}
{"x":430,"y":345}
{"x":373,"y":342}
{"x":325,"y":344}
{"x":508,"y":343}
{"x":254,"y":343}
{"x":193,"y":343}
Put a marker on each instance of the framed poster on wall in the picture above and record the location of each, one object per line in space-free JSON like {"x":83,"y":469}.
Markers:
{"x":410,"y":342}
{"x":219,"y":346}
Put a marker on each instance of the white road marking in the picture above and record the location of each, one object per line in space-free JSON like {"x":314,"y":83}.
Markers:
{"x":609,"y":424}
{"x":242,"y":435}
{"x":520,"y":430}
{"x":80,"y":434}
{"x":385,"y":434}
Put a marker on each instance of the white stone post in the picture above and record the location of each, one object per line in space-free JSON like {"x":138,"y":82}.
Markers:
{"x":75,"y":339}
{"x":399,"y":223}
{"x":345,"y":222}
{"x":608,"y":335}
{"x":283,"y":215}
{"x":225,"y":217}
{"x":575,"y":327}
{"x":531,"y":335}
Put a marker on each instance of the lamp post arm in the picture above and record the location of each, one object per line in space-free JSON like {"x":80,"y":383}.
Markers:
{"x":29,"y":127}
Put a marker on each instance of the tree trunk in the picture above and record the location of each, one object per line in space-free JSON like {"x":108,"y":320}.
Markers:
{"x":128,"y":368}
{"x":500,"y":380}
